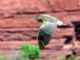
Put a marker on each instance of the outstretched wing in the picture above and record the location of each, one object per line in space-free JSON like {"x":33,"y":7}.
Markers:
{"x":43,"y":37}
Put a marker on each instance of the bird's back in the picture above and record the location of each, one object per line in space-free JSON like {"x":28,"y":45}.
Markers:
{"x":48,"y":27}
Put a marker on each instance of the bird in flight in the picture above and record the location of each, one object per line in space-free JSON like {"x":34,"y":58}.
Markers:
{"x":48,"y":26}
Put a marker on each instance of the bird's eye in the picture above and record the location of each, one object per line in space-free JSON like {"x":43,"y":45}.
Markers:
{"x":37,"y":17}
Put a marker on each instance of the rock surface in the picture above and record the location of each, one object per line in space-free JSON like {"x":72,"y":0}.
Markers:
{"x":16,"y":26}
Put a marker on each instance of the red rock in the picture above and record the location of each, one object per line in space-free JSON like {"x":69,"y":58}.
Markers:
{"x":59,"y":15}
{"x":15,"y":44}
{"x":17,"y":23}
{"x":63,"y":32}
{"x":18,"y":34}
{"x":62,"y":5}
{"x":55,"y":5}
{"x":68,"y":19}
{"x":68,"y":5}
{"x":9,"y":7}
{"x":18,"y":37}
{"x":78,"y":3}
{"x":35,"y":5}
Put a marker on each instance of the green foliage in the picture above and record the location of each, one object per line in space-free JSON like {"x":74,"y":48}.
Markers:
{"x":61,"y":58}
{"x":29,"y":52}
{"x":73,"y":58}
{"x":2,"y":57}
{"x":70,"y":58}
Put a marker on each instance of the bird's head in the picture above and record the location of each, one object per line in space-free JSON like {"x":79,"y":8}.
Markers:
{"x":44,"y":17}
{"x":38,"y":19}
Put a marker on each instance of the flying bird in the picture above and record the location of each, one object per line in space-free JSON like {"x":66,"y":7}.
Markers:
{"x":48,"y":26}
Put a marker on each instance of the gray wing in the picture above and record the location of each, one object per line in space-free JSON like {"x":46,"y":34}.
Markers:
{"x":43,"y":37}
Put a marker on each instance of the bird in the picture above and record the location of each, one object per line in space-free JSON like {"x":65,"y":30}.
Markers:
{"x":48,"y":26}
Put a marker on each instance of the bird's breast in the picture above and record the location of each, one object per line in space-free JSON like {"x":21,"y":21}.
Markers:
{"x":48,"y":28}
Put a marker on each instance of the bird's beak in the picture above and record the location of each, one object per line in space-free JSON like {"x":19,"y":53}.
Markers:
{"x":33,"y":19}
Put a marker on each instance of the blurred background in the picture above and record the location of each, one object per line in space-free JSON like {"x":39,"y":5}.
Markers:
{"x":16,"y":26}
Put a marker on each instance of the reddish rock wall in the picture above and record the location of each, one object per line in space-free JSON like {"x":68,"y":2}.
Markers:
{"x":15,"y":16}
{"x":16,"y":24}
